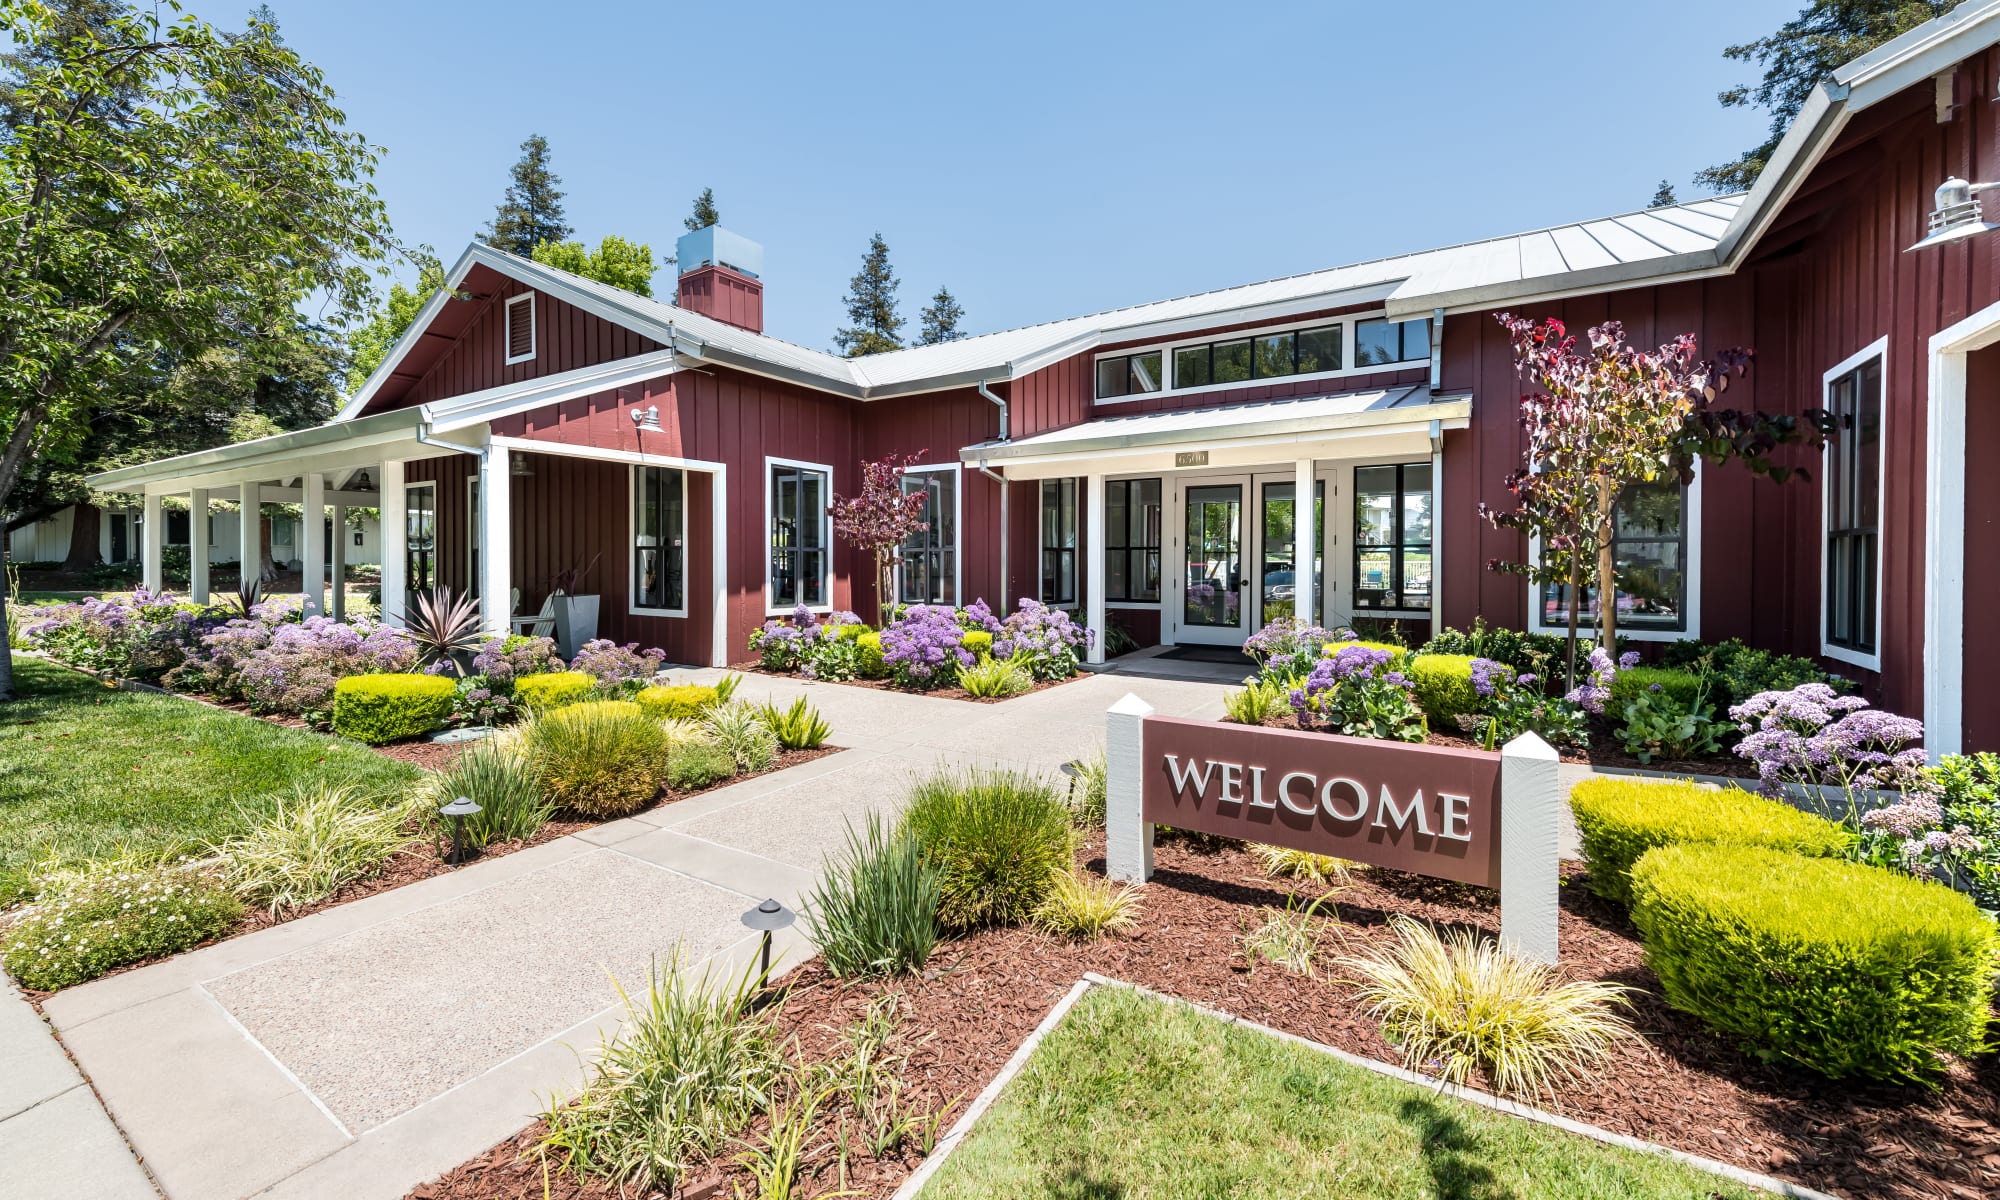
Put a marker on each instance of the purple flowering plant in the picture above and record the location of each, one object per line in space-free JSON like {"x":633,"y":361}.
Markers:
{"x":924,"y":647}
{"x":295,"y":672}
{"x":1595,"y":690}
{"x":1813,"y":735}
{"x":1512,"y":703}
{"x":1945,"y":827}
{"x":482,"y":700}
{"x":143,"y":637}
{"x":1357,"y":691}
{"x":1047,"y":641}
{"x":617,"y":668}
{"x":1289,"y":647}
{"x":780,"y":644}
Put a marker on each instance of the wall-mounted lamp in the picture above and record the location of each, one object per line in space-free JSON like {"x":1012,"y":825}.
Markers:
{"x":647,"y":419}
{"x":1955,"y":215}
{"x":519,"y":466}
{"x":361,"y":482}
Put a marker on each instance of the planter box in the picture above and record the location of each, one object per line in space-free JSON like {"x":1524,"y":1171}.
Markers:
{"x":576,"y":622}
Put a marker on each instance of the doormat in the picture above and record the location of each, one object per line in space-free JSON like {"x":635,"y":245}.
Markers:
{"x":1227,"y":655}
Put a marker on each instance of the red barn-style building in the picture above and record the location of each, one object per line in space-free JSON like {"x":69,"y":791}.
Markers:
{"x":1145,"y":465}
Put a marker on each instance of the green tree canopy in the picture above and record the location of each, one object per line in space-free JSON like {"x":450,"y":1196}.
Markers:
{"x":368,"y":343}
{"x":531,"y":212}
{"x":620,"y":263}
{"x":705,"y":213}
{"x":871,"y":306}
{"x":940,"y":319}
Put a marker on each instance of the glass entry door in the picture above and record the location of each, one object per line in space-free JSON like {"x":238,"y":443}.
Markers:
{"x":1214,"y":587}
{"x":1278,"y":574}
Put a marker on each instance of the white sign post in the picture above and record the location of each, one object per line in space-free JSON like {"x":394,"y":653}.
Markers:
{"x":1530,"y":866}
{"x":1128,"y":835}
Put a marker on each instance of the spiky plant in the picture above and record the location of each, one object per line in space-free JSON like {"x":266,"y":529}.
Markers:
{"x":799,"y":727}
{"x":1322,"y":869}
{"x":1081,"y":907}
{"x":1289,"y":937}
{"x":444,"y":626}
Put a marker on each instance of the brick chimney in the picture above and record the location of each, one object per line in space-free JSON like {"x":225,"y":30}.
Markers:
{"x":719,"y":277}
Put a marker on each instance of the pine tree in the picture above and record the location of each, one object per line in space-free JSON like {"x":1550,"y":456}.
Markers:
{"x":940,"y":319}
{"x":532,"y":212}
{"x":871,"y":306}
{"x":704,"y":212}
{"x":1663,"y":195}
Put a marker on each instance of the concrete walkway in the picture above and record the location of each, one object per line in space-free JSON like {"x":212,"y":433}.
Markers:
{"x":365,"y":1049}
{"x":55,"y":1141}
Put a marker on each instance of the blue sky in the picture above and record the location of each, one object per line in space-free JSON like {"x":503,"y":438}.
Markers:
{"x":1041,"y":160}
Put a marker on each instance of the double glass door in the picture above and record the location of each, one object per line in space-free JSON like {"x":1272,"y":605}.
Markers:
{"x":1237,"y":568}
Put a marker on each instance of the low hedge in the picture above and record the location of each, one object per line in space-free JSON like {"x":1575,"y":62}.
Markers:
{"x":1847,"y":969}
{"x":1396,"y":653}
{"x":979,"y":641}
{"x":1620,"y":819}
{"x":873,"y":665}
{"x":388,"y":708}
{"x":1443,"y":685}
{"x":1683,"y":686}
{"x":682,"y":701}
{"x":554,"y":689}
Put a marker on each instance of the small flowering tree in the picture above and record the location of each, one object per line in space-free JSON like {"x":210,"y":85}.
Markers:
{"x":880,"y":518}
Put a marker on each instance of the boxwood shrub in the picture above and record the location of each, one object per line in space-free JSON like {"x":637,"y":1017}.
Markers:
{"x":1396,"y":653}
{"x":1684,"y":686}
{"x":602,"y":758}
{"x":1443,"y":683}
{"x":1620,"y":819}
{"x":113,"y":919}
{"x":1847,"y":969}
{"x":681,"y":701}
{"x":388,"y":708}
{"x":553,"y":689}
{"x":979,"y":641}
{"x":873,"y":665}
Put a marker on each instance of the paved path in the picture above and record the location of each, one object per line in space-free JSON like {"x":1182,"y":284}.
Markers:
{"x":362,"y":1050}
{"x":55,"y":1141}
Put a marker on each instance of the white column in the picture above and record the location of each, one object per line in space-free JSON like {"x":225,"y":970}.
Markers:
{"x":395,"y":538}
{"x":338,"y":583}
{"x":249,"y":534}
{"x":312,"y":543}
{"x":496,"y":548}
{"x":1094,"y":574}
{"x":198,"y":545}
{"x":1530,"y":869}
{"x":1437,"y":527}
{"x":1128,"y":836}
{"x":1944,"y":550}
{"x":152,"y":536}
{"x":718,"y":505}
{"x":1305,"y":544}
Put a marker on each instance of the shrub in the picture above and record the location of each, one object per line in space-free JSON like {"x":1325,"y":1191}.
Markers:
{"x":1657,"y":724}
{"x":107,"y":920}
{"x":1397,"y":653}
{"x":979,"y":641}
{"x":1322,"y":869}
{"x":511,"y":804}
{"x":314,"y":842}
{"x":1945,"y":827}
{"x":922,"y":649}
{"x":617,"y":667}
{"x":1538,"y":654}
{"x":1512,"y":703}
{"x":997,"y":836}
{"x":1630,"y":683}
{"x":691,"y":1065}
{"x":1258,"y":702}
{"x":1840,"y":967}
{"x":388,"y":708}
{"x":872,"y":664}
{"x":740,"y":732}
{"x":1082,"y":907}
{"x":604,"y":758}
{"x":799,"y":727}
{"x":1357,"y":691}
{"x":1743,"y":671}
{"x":540,"y":693}
{"x":1046,"y":639}
{"x":697,"y":764}
{"x":994,"y":678}
{"x":875,"y":911}
{"x":678,"y":700}
{"x":296,"y":672}
{"x":1620,"y":819}
{"x":1459,"y":1003}
{"x":1443,"y":687}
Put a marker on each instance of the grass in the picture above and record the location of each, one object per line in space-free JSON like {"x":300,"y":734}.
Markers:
{"x":1132,"y":1096}
{"x":86,"y":771}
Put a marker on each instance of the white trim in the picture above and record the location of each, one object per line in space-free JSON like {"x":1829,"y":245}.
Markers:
{"x":1163,"y":478}
{"x":491,"y":404}
{"x":771,"y":607}
{"x":1345,"y":322}
{"x":956,"y":470}
{"x":1690,"y":583}
{"x":1095,"y":569}
{"x":632,"y":542}
{"x":472,"y":531}
{"x":507,"y":329}
{"x":1877,"y":349}
{"x":603,"y":454}
{"x":1944,"y":529}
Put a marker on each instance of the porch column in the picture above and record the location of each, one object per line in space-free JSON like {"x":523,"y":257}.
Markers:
{"x":312,"y":543}
{"x":718,"y":507}
{"x":339,"y":547}
{"x":152,"y":537}
{"x":198,"y":545}
{"x":1437,"y":528}
{"x":1305,"y":544}
{"x":496,"y":548}
{"x":1093,"y":573}
{"x":249,"y":536}
{"x":395,"y":539}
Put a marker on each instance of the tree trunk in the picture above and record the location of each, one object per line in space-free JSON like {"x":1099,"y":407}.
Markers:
{"x":7,"y":651}
{"x":83,"y":530}
{"x":1607,"y":569}
{"x":1575,"y":583}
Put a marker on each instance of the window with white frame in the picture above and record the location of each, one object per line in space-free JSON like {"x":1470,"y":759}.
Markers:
{"x":1379,"y":343}
{"x":521,"y":328}
{"x":1392,"y":536}
{"x":659,"y":540}
{"x":419,"y":537}
{"x":1058,"y":541}
{"x":1853,"y":472}
{"x":800,"y":532}
{"x":927,"y":561}
{"x":1242,"y":359}
{"x":1132,"y":541}
{"x":1651,"y":556}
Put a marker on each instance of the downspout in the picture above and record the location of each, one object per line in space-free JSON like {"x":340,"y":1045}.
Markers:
{"x":996,"y":477}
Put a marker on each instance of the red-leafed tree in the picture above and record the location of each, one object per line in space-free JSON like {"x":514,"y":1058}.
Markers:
{"x":881,"y":517}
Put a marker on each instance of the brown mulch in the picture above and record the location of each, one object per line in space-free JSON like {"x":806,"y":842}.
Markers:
{"x":1683,"y":1086}
{"x":431,"y":756}
{"x":753,"y":667}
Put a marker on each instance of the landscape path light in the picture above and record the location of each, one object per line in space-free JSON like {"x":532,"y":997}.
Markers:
{"x":458,"y":810}
{"x":767,"y":918}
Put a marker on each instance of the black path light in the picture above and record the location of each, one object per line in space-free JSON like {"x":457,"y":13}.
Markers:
{"x":458,"y":810}
{"x":767,"y":918}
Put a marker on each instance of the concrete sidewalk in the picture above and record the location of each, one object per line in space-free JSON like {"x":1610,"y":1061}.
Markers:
{"x":365,"y":1049}
{"x":55,"y":1141}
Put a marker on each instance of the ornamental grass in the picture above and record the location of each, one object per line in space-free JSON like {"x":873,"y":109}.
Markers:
{"x":1081,"y":907}
{"x":875,"y":911}
{"x":320,"y":838}
{"x":999,"y":837}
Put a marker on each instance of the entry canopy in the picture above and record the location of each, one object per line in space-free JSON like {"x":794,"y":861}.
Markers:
{"x":1345,"y":425}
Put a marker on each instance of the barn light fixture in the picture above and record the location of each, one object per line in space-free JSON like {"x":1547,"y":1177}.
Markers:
{"x":1956,"y":215}
{"x":647,"y":419}
{"x":519,"y":466}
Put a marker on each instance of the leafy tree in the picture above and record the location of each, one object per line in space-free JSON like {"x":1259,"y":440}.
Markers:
{"x":871,"y":306}
{"x":704,"y":212}
{"x":369,"y":342}
{"x":940,"y":319}
{"x":1805,"y":50}
{"x":880,"y":518}
{"x":1663,"y":195}
{"x":164,"y":186}
{"x":622,"y":264}
{"x":531,"y":212}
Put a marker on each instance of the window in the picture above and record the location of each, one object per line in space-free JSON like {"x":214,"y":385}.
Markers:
{"x":177,"y":528}
{"x":1132,"y":540}
{"x":799,"y":535}
{"x":419,"y":537}
{"x":1853,"y":512}
{"x":521,"y":328}
{"x":1392,"y":536}
{"x":928,"y":561}
{"x":659,"y":540}
{"x":1379,"y":342}
{"x":1262,"y":356}
{"x":1650,"y":554}
{"x":1058,"y":541}
{"x":1129,"y":375}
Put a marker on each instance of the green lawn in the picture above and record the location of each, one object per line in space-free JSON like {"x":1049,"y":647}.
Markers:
{"x":86,"y":770}
{"x":1134,"y":1097}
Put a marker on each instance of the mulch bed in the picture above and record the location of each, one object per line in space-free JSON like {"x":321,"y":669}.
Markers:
{"x":1684,"y":1087}
{"x":753,"y":667}
{"x":431,"y":756}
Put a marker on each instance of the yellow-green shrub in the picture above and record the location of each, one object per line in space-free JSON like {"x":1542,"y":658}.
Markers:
{"x":678,"y":701}
{"x":979,"y":641}
{"x":554,"y":689}
{"x":1443,"y":685}
{"x":1841,"y":967}
{"x":1683,"y":686}
{"x":388,"y":708}
{"x":602,"y":758}
{"x":873,"y":665}
{"x":1620,"y":819}
{"x":1396,"y":653}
